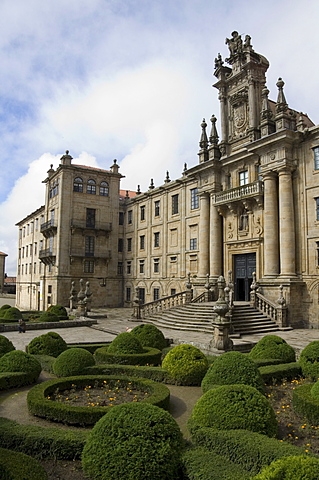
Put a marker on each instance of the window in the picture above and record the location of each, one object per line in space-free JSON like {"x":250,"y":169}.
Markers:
{"x":129,"y":244}
{"x":36,"y":224}
{"x":78,"y":185}
{"x":23,"y":231}
{"x":34,"y":268}
{"x":174,"y":204}
{"x":317,"y":244}
{"x":52,"y":216}
{"x":142,"y":242}
{"x":41,"y":244}
{"x":173,"y":291}
{"x":142,"y":263}
{"x":54,"y":189}
{"x":49,"y":288}
{"x":193,"y":244}
{"x":317,"y":208}
{"x":142,"y":210}
{"x":27,"y":251}
{"x":243,"y":177}
{"x":129,"y":267}
{"x":120,"y":268}
{"x":194,"y":198}
{"x":91,"y":187}
{"x":88,"y":266}
{"x":28,"y":229}
{"x":155,"y":294}
{"x":121,"y":218}
{"x":120,"y":245}
{"x":156,"y":239}
{"x":31,"y":227}
{"x":157,"y":208}
{"x":22,"y":272}
{"x":258,"y":173}
{"x":35,"y":248}
{"x":316,"y":158}
{"x":90,"y":217}
{"x":228,"y":181}
{"x":104,"y":189}
{"x":22,"y":252}
{"x":156,"y":265}
{"x":128,"y":294}
{"x":89,"y":246}
{"x":130,"y":217}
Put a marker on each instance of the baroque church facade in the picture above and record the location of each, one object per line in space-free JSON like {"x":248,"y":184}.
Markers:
{"x":250,"y":206}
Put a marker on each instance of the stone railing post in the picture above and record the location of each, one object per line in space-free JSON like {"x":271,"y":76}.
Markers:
{"x":221,"y":341}
{"x":253,"y":290}
{"x":137,"y":305}
{"x":189,"y":292}
{"x":282,"y":310}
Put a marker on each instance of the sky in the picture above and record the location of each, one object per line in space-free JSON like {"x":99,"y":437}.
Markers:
{"x":129,"y":80}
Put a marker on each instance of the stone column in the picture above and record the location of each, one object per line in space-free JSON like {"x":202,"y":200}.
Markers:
{"x":271,"y":241}
{"x":204,"y":235}
{"x":216,"y":242}
{"x":286,"y":224}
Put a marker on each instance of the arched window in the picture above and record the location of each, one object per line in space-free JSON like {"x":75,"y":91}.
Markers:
{"x":104,"y":189}
{"x":78,"y":185}
{"x":91,"y":187}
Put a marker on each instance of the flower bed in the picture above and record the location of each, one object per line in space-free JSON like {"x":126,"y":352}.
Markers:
{"x":40,"y":402}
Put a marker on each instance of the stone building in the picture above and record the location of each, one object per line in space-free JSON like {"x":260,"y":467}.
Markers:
{"x":250,"y":204}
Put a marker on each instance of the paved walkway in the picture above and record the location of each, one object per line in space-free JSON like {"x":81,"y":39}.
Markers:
{"x":111,"y":321}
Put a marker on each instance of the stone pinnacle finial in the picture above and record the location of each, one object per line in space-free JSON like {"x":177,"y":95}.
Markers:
{"x":152,"y":186}
{"x":203,"y":139}
{"x":281,"y":104}
{"x":167,"y":179}
{"x":213,"y":138}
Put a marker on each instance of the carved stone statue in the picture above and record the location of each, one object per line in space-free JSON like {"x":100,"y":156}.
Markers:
{"x":219,"y":61}
{"x":235,"y":44}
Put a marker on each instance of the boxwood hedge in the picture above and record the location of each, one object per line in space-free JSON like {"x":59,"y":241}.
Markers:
{"x":272,"y":346}
{"x":277,"y":373}
{"x":300,"y":467}
{"x":19,"y":466}
{"x":42,"y":442}
{"x":158,"y":374}
{"x":40,"y":405}
{"x":309,"y":360}
{"x":5,"y":345}
{"x":15,"y":380}
{"x":134,"y":441}
{"x":150,"y":356}
{"x":186,"y":365}
{"x":249,"y":450}
{"x":234,"y":407}
{"x":305,"y":403}
{"x":150,"y":336}
{"x":50,"y":343}
{"x":72,"y":362}
{"x":200,"y":463}
{"x":18,"y":361}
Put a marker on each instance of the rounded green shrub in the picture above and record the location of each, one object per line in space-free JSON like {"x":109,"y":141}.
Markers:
{"x":3,"y":309}
{"x":230,"y":407}
{"x":50,"y":343}
{"x":125,"y":343}
{"x":272,"y":346}
{"x":48,"y":317}
{"x":18,"y":466}
{"x":149,"y":356}
{"x":5,"y":345}
{"x":18,"y":361}
{"x":309,"y":360}
{"x":134,"y":441}
{"x":12,"y":313}
{"x":232,"y":368}
{"x":300,"y":467}
{"x":315,"y":390}
{"x":58,"y":310}
{"x":72,"y":362}
{"x":150,"y":336}
{"x":186,"y":365}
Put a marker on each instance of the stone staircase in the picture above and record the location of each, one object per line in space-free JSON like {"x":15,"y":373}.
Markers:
{"x":197,"y":317}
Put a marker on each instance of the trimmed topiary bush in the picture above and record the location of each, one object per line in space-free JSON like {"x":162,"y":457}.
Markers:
{"x":5,"y":345}
{"x":309,"y":360}
{"x":299,"y":467}
{"x":48,"y":317}
{"x":3,"y":309}
{"x":19,"y":466}
{"x":272,"y":346}
{"x":157,"y":374}
{"x":42,"y":404}
{"x":125,"y":343}
{"x":150,"y":336}
{"x":134,"y":441}
{"x":232,"y":368}
{"x":50,"y":343}
{"x":272,"y":374}
{"x":306,"y":402}
{"x":42,"y":442}
{"x":149,"y":356}
{"x":59,"y":310}
{"x":186,"y":365}
{"x":72,"y":362}
{"x":18,"y":361}
{"x":12,"y":313}
{"x":234,"y":407}
{"x":249,"y":450}
{"x":200,"y":463}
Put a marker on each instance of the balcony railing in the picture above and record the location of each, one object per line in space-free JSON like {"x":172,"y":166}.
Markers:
{"x":48,"y":227}
{"x":81,"y":253}
{"x":238,"y":193}
{"x":98,"y":226}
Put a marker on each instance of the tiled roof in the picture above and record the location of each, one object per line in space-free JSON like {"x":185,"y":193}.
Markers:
{"x":5,"y":254}
{"x":91,"y":168}
{"x":10,"y":280}
{"x":123,"y":194}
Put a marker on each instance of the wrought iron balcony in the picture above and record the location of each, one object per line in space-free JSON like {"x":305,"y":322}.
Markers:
{"x":47,"y":256}
{"x":98,"y":227}
{"x":249,"y":190}
{"x":48,"y":228}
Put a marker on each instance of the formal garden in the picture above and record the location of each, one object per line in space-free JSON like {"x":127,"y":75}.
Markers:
{"x":108,"y":411}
